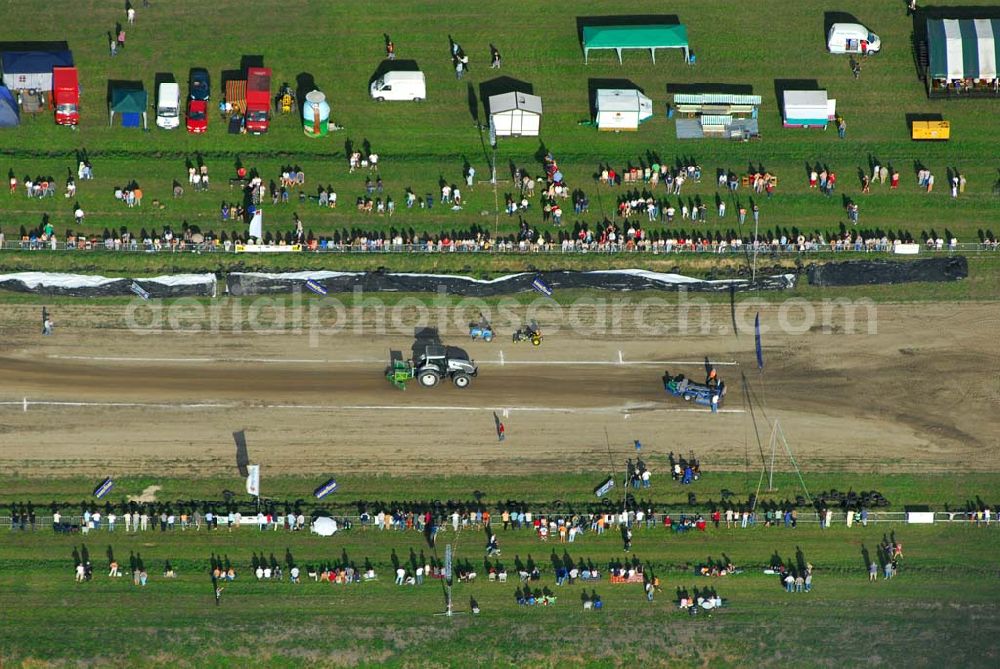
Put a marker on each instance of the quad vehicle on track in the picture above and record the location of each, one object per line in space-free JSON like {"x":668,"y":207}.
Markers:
{"x":530,"y":332}
{"x":481,"y":330}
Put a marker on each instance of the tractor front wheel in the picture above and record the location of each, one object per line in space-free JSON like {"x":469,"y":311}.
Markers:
{"x":461,"y":380}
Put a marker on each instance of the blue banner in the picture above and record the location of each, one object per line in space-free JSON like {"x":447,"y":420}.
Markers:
{"x":139,"y":290}
{"x":103,"y":488}
{"x":542,"y":287}
{"x":325,"y":489}
{"x":760,"y":351}
{"x":315,"y":287}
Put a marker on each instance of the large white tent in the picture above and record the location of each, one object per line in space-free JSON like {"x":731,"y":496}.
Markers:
{"x":515,"y":114}
{"x":622,"y":109}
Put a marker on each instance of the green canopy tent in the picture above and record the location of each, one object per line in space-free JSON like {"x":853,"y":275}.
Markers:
{"x":963,"y":48}
{"x":650,"y":37}
{"x":128,"y":100}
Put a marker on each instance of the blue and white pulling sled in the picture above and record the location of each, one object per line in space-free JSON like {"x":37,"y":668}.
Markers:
{"x":692,"y":391}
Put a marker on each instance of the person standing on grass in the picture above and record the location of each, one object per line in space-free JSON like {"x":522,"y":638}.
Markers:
{"x":112,"y":44}
{"x":130,"y":14}
{"x":494,"y":57}
{"x":121,"y":39}
{"x":842,"y":128}
{"x":872,"y":572}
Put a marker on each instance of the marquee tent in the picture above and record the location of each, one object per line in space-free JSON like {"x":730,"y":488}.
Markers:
{"x":32,"y":69}
{"x":9,"y":116}
{"x":963,"y":48}
{"x":652,"y":37}
{"x":131,"y":103}
{"x":622,"y":109}
{"x":516,"y":114}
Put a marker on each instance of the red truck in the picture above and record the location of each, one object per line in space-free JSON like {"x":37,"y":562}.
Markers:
{"x":66,"y":95}
{"x":258,"y":115}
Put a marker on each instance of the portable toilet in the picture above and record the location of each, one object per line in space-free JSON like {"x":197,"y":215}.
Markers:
{"x":315,"y":114}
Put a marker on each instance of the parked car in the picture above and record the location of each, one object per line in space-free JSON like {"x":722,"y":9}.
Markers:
{"x":199,"y":87}
{"x":197,"y":116}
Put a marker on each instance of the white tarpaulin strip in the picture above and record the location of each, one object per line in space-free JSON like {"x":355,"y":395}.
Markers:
{"x":987,"y":48}
{"x":953,"y":47}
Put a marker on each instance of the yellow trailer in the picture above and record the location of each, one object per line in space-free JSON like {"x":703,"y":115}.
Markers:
{"x":931,"y":130}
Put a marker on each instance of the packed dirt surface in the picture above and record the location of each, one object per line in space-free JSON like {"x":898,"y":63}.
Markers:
{"x":887,"y":388}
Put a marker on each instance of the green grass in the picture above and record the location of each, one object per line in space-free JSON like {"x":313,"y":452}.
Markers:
{"x":421,"y":143}
{"x":945,"y":588}
{"x":941,"y":611}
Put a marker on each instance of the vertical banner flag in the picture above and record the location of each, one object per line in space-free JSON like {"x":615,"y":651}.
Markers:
{"x":253,"y":480}
{"x":257,"y":225}
{"x":760,"y":351}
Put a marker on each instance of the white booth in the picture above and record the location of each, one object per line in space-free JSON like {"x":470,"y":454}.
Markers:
{"x":622,"y":109}
{"x":516,"y":114}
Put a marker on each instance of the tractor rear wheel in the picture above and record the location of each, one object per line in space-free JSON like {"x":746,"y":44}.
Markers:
{"x":429,"y":378}
{"x":461,"y":380}
{"x":536,"y":341}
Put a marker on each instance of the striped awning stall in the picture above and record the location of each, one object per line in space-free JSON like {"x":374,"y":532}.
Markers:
{"x":706,"y":119}
{"x":715,"y":99}
{"x":236,"y":94}
{"x":963,"y":48}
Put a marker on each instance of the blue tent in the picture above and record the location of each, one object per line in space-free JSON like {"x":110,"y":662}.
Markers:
{"x":32,"y":69}
{"x":9,"y":115}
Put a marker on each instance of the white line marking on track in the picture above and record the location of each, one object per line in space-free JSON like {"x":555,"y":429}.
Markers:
{"x":357,"y":407}
{"x":351,"y":361}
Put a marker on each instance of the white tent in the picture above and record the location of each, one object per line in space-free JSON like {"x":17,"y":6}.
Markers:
{"x":516,"y":114}
{"x":622,"y":109}
{"x":324,"y":526}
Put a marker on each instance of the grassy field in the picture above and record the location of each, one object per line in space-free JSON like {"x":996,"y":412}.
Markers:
{"x":946,"y":586}
{"x":942,"y":609}
{"x":421,"y":144}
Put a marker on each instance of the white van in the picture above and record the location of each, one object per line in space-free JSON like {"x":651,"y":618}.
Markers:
{"x":400,"y":85}
{"x":168,"y":102}
{"x":852,"y":38}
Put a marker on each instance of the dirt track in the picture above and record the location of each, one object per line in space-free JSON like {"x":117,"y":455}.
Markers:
{"x":920,"y":394}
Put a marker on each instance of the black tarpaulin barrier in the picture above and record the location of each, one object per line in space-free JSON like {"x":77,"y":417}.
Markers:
{"x":870,"y":272}
{"x":85,"y":285}
{"x":255,"y":283}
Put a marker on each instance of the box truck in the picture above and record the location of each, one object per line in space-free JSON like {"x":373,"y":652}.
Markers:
{"x":66,"y":95}
{"x":258,"y":116}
